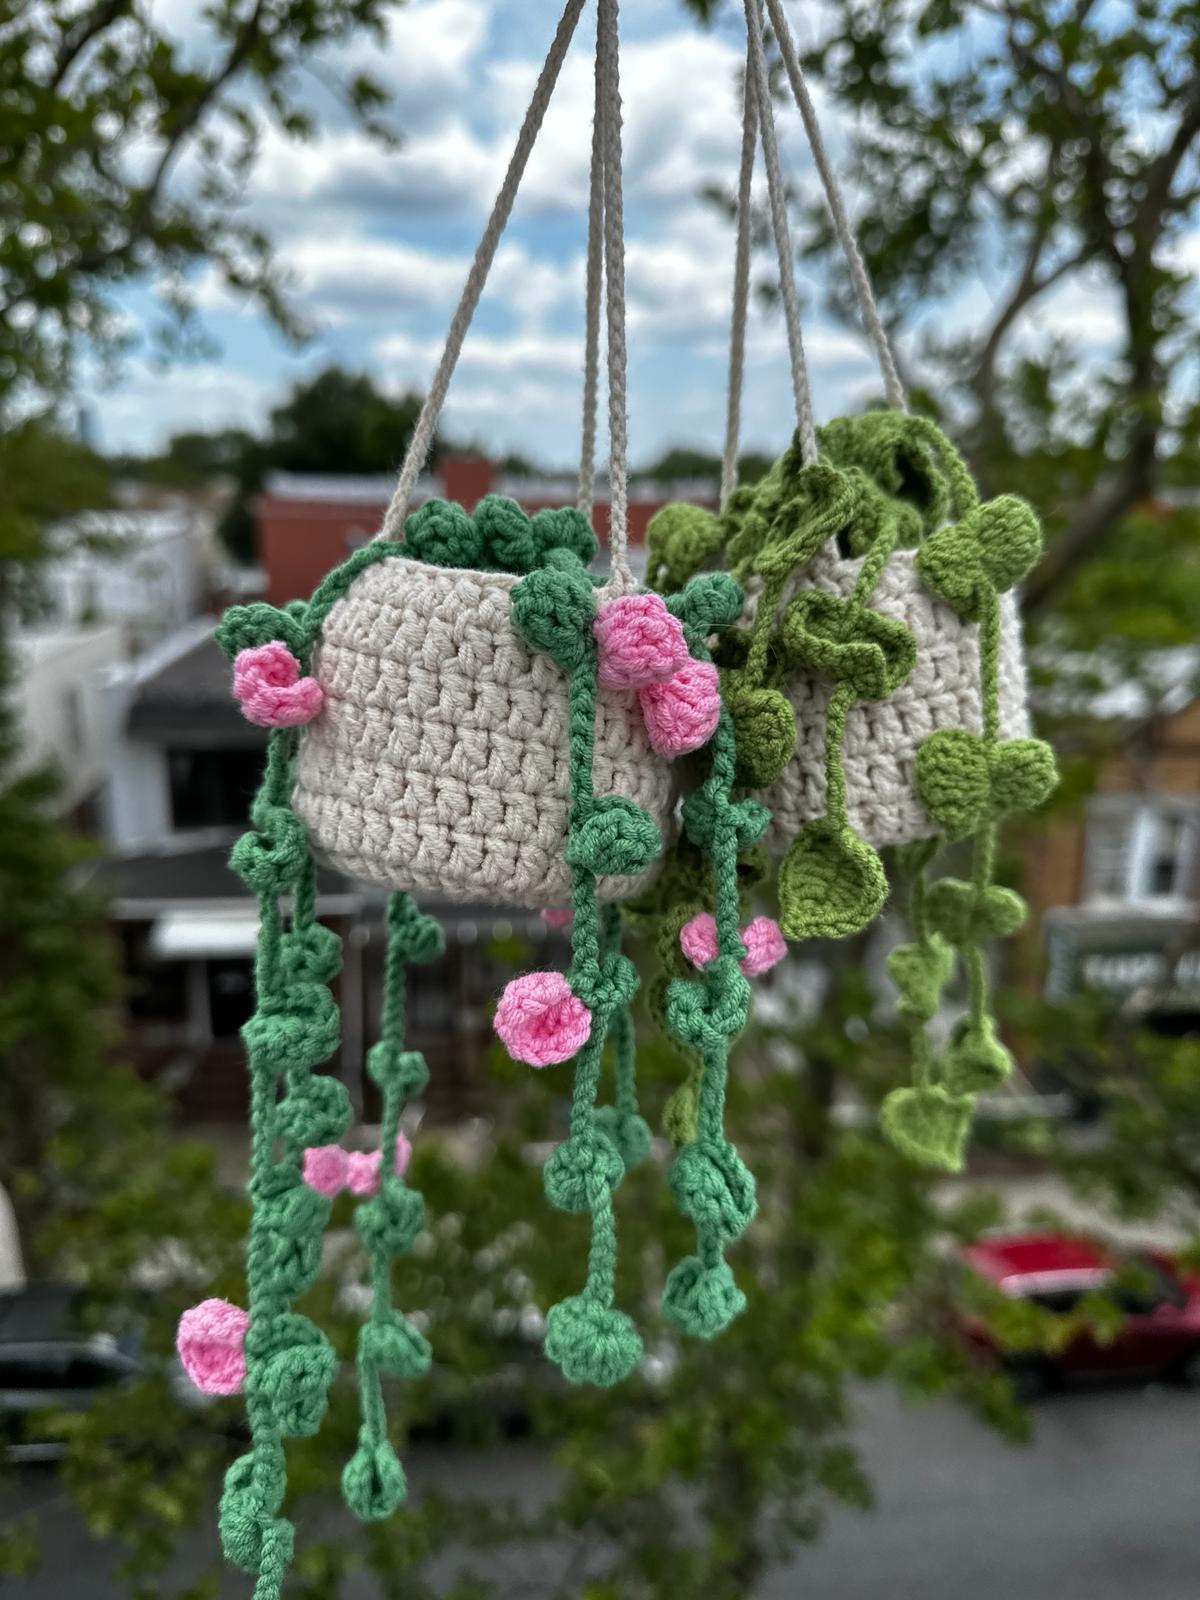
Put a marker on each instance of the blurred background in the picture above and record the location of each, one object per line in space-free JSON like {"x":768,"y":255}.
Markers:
{"x":231,"y":235}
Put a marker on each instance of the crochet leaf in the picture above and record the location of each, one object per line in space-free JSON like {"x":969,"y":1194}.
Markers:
{"x":563,"y":528}
{"x":714,"y":1187}
{"x":441,"y":533}
{"x":844,"y":640}
{"x":920,"y":972}
{"x":975,"y":1060}
{"x":928,"y":1125}
{"x":702,"y":1300}
{"x":553,"y":609}
{"x":1024,"y":774}
{"x":831,"y":883}
{"x":963,"y":914}
{"x":990,"y":550}
{"x":615,"y":836}
{"x":591,"y":1342}
{"x":954,"y":780}
{"x":765,"y":727}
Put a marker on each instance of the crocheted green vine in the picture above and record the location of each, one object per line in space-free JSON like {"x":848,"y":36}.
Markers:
{"x":373,"y":1482}
{"x":712,"y":1185}
{"x":967,"y":782}
{"x":586,"y":1335}
{"x":289,"y":1362}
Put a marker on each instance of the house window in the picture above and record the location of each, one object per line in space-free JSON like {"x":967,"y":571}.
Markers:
{"x":1141,"y":851}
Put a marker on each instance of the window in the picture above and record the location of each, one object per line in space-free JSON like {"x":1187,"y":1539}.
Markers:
{"x":212,"y":788}
{"x":1141,"y":850}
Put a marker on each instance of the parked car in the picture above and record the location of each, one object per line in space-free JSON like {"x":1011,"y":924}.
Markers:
{"x":1159,"y":1335}
{"x":48,"y":1364}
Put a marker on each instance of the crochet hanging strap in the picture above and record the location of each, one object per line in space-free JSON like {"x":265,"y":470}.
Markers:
{"x":605,"y":223}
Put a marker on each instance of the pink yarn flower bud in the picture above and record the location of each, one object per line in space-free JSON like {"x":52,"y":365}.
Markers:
{"x":362,"y":1171}
{"x":682,"y":714}
{"x":558,"y":916}
{"x":765,"y":944}
{"x":325,"y":1168}
{"x":270,"y":690}
{"x":210,"y":1342}
{"x":639,"y":642}
{"x":698,"y":939}
{"x":541,"y":1020}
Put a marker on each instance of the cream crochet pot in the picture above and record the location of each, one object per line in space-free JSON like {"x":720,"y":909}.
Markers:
{"x":943,"y":690}
{"x":439,"y":763}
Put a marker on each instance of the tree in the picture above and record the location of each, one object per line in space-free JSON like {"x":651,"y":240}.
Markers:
{"x":335,"y":422}
{"x":1055,"y":149}
{"x":85,"y":94}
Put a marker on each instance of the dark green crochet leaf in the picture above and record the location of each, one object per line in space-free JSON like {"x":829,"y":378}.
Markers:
{"x":844,"y":640}
{"x":614,"y":837}
{"x":553,"y":610}
{"x":702,"y":1301}
{"x":441,"y":532}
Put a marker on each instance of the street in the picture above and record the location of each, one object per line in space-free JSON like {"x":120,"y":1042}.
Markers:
{"x":1102,"y":1504}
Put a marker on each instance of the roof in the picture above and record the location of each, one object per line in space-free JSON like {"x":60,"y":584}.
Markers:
{"x":342,"y":488}
{"x":1035,"y":1255}
{"x":188,"y":699}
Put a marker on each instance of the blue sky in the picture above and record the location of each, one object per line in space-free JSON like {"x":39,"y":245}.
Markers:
{"x":378,"y":242}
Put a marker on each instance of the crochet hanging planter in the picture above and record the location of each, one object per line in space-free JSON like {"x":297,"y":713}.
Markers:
{"x":440,"y":762}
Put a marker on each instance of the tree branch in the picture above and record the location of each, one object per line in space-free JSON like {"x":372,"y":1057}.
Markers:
{"x":85,"y":28}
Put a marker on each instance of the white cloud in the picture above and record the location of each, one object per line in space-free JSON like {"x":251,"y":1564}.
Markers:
{"x":151,"y":404}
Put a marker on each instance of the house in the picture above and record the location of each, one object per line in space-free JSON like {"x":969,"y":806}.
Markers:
{"x":56,"y":694}
{"x":1117,"y":890}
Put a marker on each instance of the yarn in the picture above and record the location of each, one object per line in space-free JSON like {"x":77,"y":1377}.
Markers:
{"x":714,"y":1188}
{"x":578,"y":1165}
{"x":553,"y":609}
{"x":831,"y":883}
{"x":441,"y":533}
{"x":613,"y":836}
{"x":564,"y":529}
{"x":702,"y":1299}
{"x":210,"y":1343}
{"x":541,"y":1020}
{"x":766,"y":732}
{"x":969,"y":562}
{"x":835,"y":638}
{"x":929,"y":1125}
{"x":591,"y":1342}
{"x":388,"y":1222}
{"x":252,"y":626}
{"x":681,"y":714}
{"x":965,"y":780}
{"x":440,"y":763}
{"x":638,"y":641}
{"x":557,"y":916}
{"x":268,"y":687}
{"x":680,"y":540}
{"x":325,"y":1168}
{"x":506,"y":535}
{"x":762,"y":939}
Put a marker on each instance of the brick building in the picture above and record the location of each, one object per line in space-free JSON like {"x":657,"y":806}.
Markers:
{"x":1116,"y":890}
{"x":308,"y":522}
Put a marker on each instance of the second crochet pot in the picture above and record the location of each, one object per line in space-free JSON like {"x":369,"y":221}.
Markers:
{"x":439,"y":763}
{"x":943,"y":690}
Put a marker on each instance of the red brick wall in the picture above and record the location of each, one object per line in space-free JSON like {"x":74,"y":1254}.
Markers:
{"x":299,"y":540}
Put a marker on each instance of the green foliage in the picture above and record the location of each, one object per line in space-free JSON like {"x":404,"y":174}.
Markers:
{"x":102,"y":104}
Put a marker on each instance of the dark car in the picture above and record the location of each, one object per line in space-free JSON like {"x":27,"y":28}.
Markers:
{"x":1159,"y":1335}
{"x":48,"y":1364}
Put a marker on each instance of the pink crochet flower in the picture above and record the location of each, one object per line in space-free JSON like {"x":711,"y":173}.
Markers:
{"x":540,"y":1019}
{"x":270,"y":690}
{"x":558,"y":916}
{"x":639,"y":642}
{"x":682,"y":714}
{"x":325,"y":1168}
{"x":210,"y":1340}
{"x":698,"y":939}
{"x":362,"y":1171}
{"x":765,"y":944}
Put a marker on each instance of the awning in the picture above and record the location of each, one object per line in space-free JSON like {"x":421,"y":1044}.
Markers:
{"x":194,"y":935}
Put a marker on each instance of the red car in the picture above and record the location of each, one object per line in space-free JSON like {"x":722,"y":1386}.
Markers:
{"x":1160,"y":1334}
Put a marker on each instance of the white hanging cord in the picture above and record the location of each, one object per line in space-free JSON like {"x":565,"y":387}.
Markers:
{"x":805,"y":426}
{"x":586,"y":497}
{"x":622,"y":578}
{"x":741,"y":295}
{"x":422,"y":438}
{"x":876,"y":332}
